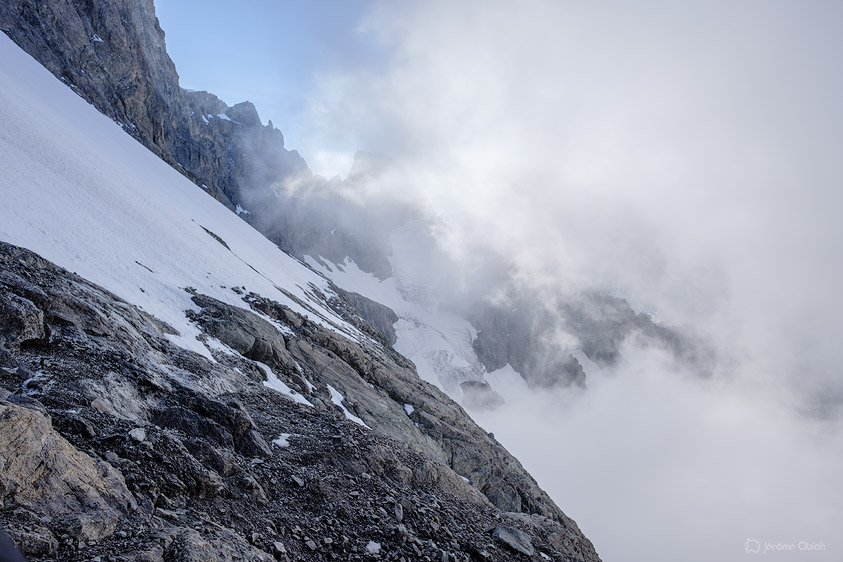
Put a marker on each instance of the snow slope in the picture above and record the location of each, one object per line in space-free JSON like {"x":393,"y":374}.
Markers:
{"x":71,"y":178}
{"x":436,"y":340}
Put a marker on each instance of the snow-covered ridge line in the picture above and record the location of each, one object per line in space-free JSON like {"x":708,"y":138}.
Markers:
{"x":72,"y":178}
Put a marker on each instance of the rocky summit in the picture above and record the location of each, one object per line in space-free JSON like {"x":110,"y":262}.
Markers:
{"x":118,"y":445}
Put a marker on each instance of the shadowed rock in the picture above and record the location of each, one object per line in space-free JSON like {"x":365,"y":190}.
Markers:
{"x":515,"y":539}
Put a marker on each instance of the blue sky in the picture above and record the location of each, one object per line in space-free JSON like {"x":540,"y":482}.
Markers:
{"x":266,"y":52}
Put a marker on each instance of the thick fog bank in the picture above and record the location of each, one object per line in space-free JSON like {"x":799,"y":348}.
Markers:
{"x":684,"y":158}
{"x":657,"y":464}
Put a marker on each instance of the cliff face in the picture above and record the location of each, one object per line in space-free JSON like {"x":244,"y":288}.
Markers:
{"x":521,"y":336}
{"x":113,"y":54}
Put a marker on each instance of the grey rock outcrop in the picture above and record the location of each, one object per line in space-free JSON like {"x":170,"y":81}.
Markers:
{"x":219,"y":545}
{"x":208,"y":476}
{"x":42,"y":472}
{"x":382,"y":318}
{"x":516,"y":539}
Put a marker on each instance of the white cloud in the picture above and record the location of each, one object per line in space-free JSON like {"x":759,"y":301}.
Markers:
{"x":685,"y":157}
{"x":658,"y":465}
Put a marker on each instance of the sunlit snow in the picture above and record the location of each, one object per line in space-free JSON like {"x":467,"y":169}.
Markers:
{"x":338,"y":399}
{"x":72,"y":179}
{"x":272,"y":381}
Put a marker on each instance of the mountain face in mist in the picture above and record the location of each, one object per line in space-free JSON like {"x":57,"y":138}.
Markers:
{"x":197,"y":394}
{"x":524,"y":334}
{"x":113,"y":54}
{"x":342,"y":347}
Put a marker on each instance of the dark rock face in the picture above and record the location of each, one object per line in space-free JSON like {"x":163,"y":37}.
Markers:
{"x":112,"y":53}
{"x":522,"y":336}
{"x":602,"y":323}
{"x":156,"y":453}
{"x":537,"y":337}
{"x":380,"y":317}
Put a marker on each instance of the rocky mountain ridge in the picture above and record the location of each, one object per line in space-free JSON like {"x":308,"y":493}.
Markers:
{"x":120,"y":445}
{"x":113,"y":55}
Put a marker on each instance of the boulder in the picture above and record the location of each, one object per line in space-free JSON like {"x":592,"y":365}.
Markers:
{"x":42,"y":471}
{"x":20,"y":320}
{"x":516,"y":539}
{"x":244,"y":332}
{"x":219,"y":545}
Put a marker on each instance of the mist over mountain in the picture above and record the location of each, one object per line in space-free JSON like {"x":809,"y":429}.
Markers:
{"x":606,"y":235}
{"x":194,"y":393}
{"x":245,"y":165}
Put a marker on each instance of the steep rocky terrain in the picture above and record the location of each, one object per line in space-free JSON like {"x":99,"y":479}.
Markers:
{"x":138,"y":445}
{"x":118,"y":445}
{"x":113,"y":54}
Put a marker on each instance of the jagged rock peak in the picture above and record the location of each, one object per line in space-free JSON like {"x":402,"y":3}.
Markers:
{"x":113,"y":54}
